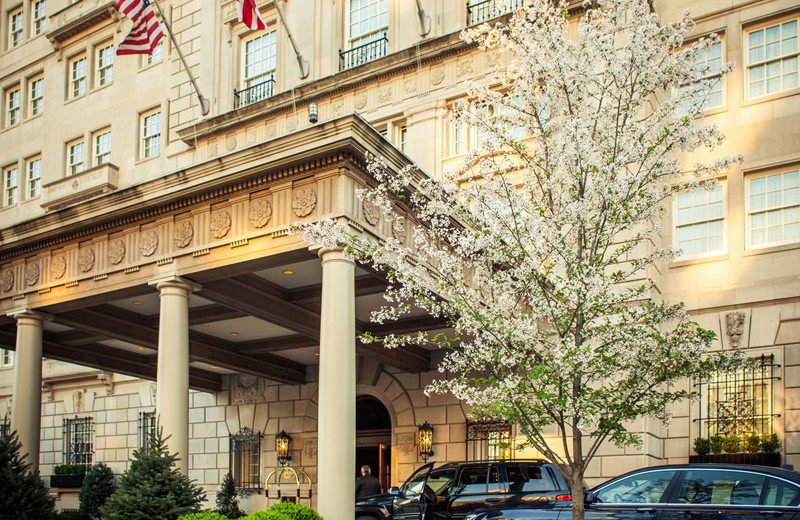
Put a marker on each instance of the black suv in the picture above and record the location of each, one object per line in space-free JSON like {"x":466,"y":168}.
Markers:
{"x":452,"y":491}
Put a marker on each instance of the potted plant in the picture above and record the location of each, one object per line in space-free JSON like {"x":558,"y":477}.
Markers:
{"x":68,"y":476}
{"x":770,"y":442}
{"x":702,"y":446}
{"x":716,"y":443}
{"x":732,"y":443}
{"x":751,"y":442}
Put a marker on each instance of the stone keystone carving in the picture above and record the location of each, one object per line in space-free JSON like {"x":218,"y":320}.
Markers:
{"x":148,"y":243}
{"x":59,"y":266}
{"x":7,"y":280}
{"x":246,"y":389}
{"x":31,"y":274}
{"x":260,"y":213}
{"x":734,"y":327}
{"x":116,"y":251}
{"x":184,"y":232}
{"x":86,"y":259}
{"x":220,"y":224}
{"x":305,"y":201}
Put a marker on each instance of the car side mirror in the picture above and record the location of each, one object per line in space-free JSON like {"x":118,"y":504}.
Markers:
{"x":394,"y":490}
{"x":590,"y":498}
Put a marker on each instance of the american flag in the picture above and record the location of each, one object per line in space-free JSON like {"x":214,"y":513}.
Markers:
{"x":248,"y":15}
{"x":146,"y":31}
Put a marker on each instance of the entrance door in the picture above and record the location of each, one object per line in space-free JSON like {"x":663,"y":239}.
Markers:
{"x":373,"y":439}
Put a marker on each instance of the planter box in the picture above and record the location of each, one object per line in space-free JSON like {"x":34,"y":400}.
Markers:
{"x":754,"y":459}
{"x":66,"y":481}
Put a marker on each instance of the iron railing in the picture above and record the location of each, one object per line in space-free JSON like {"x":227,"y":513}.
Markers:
{"x":364,"y":53}
{"x":78,"y":441}
{"x":479,"y":12}
{"x":245,"y":461}
{"x":489,"y":440}
{"x":739,"y":402}
{"x":255,"y":93}
{"x":5,"y":428}
{"x":147,"y":430}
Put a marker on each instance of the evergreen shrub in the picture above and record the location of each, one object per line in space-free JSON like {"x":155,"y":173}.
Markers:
{"x":226,"y":499}
{"x":716,"y":443}
{"x":267,"y":515}
{"x":205,"y":515}
{"x":296,"y":511}
{"x":98,"y":485}
{"x":22,"y":493}
{"x":702,"y":446}
{"x":732,"y":444}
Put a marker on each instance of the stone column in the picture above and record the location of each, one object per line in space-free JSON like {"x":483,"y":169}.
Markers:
{"x":336,"y":458}
{"x":172,"y":376}
{"x":26,"y":410}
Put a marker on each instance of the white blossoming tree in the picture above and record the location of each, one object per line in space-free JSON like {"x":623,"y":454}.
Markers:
{"x":541,"y":250}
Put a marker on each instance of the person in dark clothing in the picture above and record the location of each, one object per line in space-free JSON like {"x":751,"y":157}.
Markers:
{"x":366,"y":484}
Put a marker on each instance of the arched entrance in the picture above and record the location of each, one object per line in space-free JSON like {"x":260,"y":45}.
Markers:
{"x":373,"y":438}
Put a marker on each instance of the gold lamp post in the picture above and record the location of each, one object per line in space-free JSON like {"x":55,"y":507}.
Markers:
{"x":426,"y":441}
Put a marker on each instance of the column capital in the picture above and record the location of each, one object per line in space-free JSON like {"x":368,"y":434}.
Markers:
{"x":174,"y":281}
{"x":29,"y":314}
{"x":328,"y":254}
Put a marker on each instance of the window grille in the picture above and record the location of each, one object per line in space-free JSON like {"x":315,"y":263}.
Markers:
{"x":78,"y":441}
{"x":5,"y":428}
{"x":739,"y":402}
{"x":245,"y":461}
{"x":489,"y":440}
{"x":479,"y":12}
{"x":364,"y":53}
{"x":147,"y":430}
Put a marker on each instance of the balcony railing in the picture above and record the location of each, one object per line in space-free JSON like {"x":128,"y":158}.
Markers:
{"x":253,"y":94}
{"x":479,"y":12}
{"x":364,"y":53}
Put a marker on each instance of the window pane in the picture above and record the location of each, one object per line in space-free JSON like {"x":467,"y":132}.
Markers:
{"x":642,"y":488}
{"x":780,"y":493}
{"x":721,"y":487}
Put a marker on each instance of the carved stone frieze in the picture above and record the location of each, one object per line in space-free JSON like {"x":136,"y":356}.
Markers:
{"x":184,"y":232}
{"x":410,"y":85}
{"x":116,"y":251}
{"x":372,"y":213}
{"x":148,"y":243}
{"x":463,"y":68}
{"x":31,"y":274}
{"x":7,"y":280}
{"x":337,"y":107}
{"x":86,"y":259}
{"x":360,"y":101}
{"x":399,"y":228}
{"x":246,"y":389}
{"x":385,"y":94}
{"x":58,"y":267}
{"x":305,"y":202}
{"x":437,"y":76}
{"x":260,"y":213}
{"x":220,"y":223}
{"x":291,"y":123}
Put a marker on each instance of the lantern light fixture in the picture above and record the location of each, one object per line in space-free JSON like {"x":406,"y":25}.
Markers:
{"x":425,"y":441}
{"x":283,"y":443}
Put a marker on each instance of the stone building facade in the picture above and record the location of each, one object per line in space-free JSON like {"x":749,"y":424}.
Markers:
{"x":145,"y":250}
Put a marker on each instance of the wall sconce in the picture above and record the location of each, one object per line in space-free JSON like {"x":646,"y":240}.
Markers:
{"x":426,"y":441}
{"x":283,"y":442}
{"x":313,"y":113}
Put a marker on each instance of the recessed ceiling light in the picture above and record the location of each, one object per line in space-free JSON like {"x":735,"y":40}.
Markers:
{"x":234,"y":333}
{"x":137,"y":302}
{"x":300,"y":348}
{"x":317,"y":354}
{"x":288,"y":271}
{"x":112,"y":341}
{"x":205,"y":324}
{"x":140,"y":348}
{"x":214,"y":366}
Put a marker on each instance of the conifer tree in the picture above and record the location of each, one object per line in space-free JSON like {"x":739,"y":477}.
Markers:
{"x":22,"y":494}
{"x":98,"y":485}
{"x":226,"y":499}
{"x":153,"y":487}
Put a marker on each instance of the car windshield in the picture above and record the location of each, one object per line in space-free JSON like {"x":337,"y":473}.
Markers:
{"x":641,"y":488}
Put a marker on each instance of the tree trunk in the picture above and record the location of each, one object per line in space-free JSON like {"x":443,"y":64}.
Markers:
{"x":577,"y":489}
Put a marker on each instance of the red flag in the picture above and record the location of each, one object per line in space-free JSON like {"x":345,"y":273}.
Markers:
{"x":248,"y":15}
{"x":146,"y":31}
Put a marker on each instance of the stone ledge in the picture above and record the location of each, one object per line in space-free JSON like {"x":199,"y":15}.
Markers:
{"x":81,"y":187}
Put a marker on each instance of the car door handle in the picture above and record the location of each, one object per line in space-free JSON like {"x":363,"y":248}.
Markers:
{"x":645,"y":510}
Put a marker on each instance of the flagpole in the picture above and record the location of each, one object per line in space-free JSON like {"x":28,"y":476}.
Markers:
{"x":204,"y":104}
{"x":300,"y":61}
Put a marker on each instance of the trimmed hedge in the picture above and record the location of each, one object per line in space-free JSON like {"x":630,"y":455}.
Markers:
{"x":206,"y":515}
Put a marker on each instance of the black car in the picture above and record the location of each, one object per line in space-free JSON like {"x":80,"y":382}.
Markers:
{"x":452,"y":491}
{"x":680,"y":492}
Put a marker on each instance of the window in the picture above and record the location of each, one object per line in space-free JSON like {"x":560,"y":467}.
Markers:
{"x":79,"y":441}
{"x":772,"y":55}
{"x":479,"y":480}
{"x":34,"y":177}
{"x":773,"y":209}
{"x":35,"y":96}
{"x":12,"y":106}
{"x":74,"y":157}
{"x":258,"y":69}
{"x":15,"y":27}
{"x":77,"y":75}
{"x":5,"y":427}
{"x":10,"y":185}
{"x":739,"y":402}
{"x":7,"y":358}
{"x":155,"y":56}
{"x":456,"y":146}
{"x":403,"y":138}
{"x":102,"y":146}
{"x":368,"y":24}
{"x":708,"y":66}
{"x":245,"y":460}
{"x":479,"y":11}
{"x":641,"y":488}
{"x":526,"y":478}
{"x":39,"y":16}
{"x":700,"y":222}
{"x":488,"y":441}
{"x":147,"y":430}
{"x":150,"y":144}
{"x":105,"y":64}
{"x":723,"y":487}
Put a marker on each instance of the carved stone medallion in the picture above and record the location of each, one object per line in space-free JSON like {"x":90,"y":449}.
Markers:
{"x":58,"y":267}
{"x":360,"y":101}
{"x":372,"y":213}
{"x":734,"y":327}
{"x":148,"y":243}
{"x":220,"y":224}
{"x":291,"y":123}
{"x":86,"y":259}
{"x":399,"y":229}
{"x":260,"y":213}
{"x":230,"y":143}
{"x":7,"y":280}
{"x":463,"y":68}
{"x":184,"y":232}
{"x":246,"y":389}
{"x":385,"y":94}
{"x":116,"y":251}
{"x":31,"y":274}
{"x":437,"y":76}
{"x":305,"y":201}
{"x":337,"y":107}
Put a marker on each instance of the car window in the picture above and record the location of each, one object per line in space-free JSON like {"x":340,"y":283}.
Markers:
{"x":415,"y":483}
{"x":493,"y":483}
{"x":641,"y":488}
{"x":528,"y":478}
{"x":781,"y":493}
{"x":472,"y":481}
{"x":721,"y":487}
{"x":441,"y":480}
